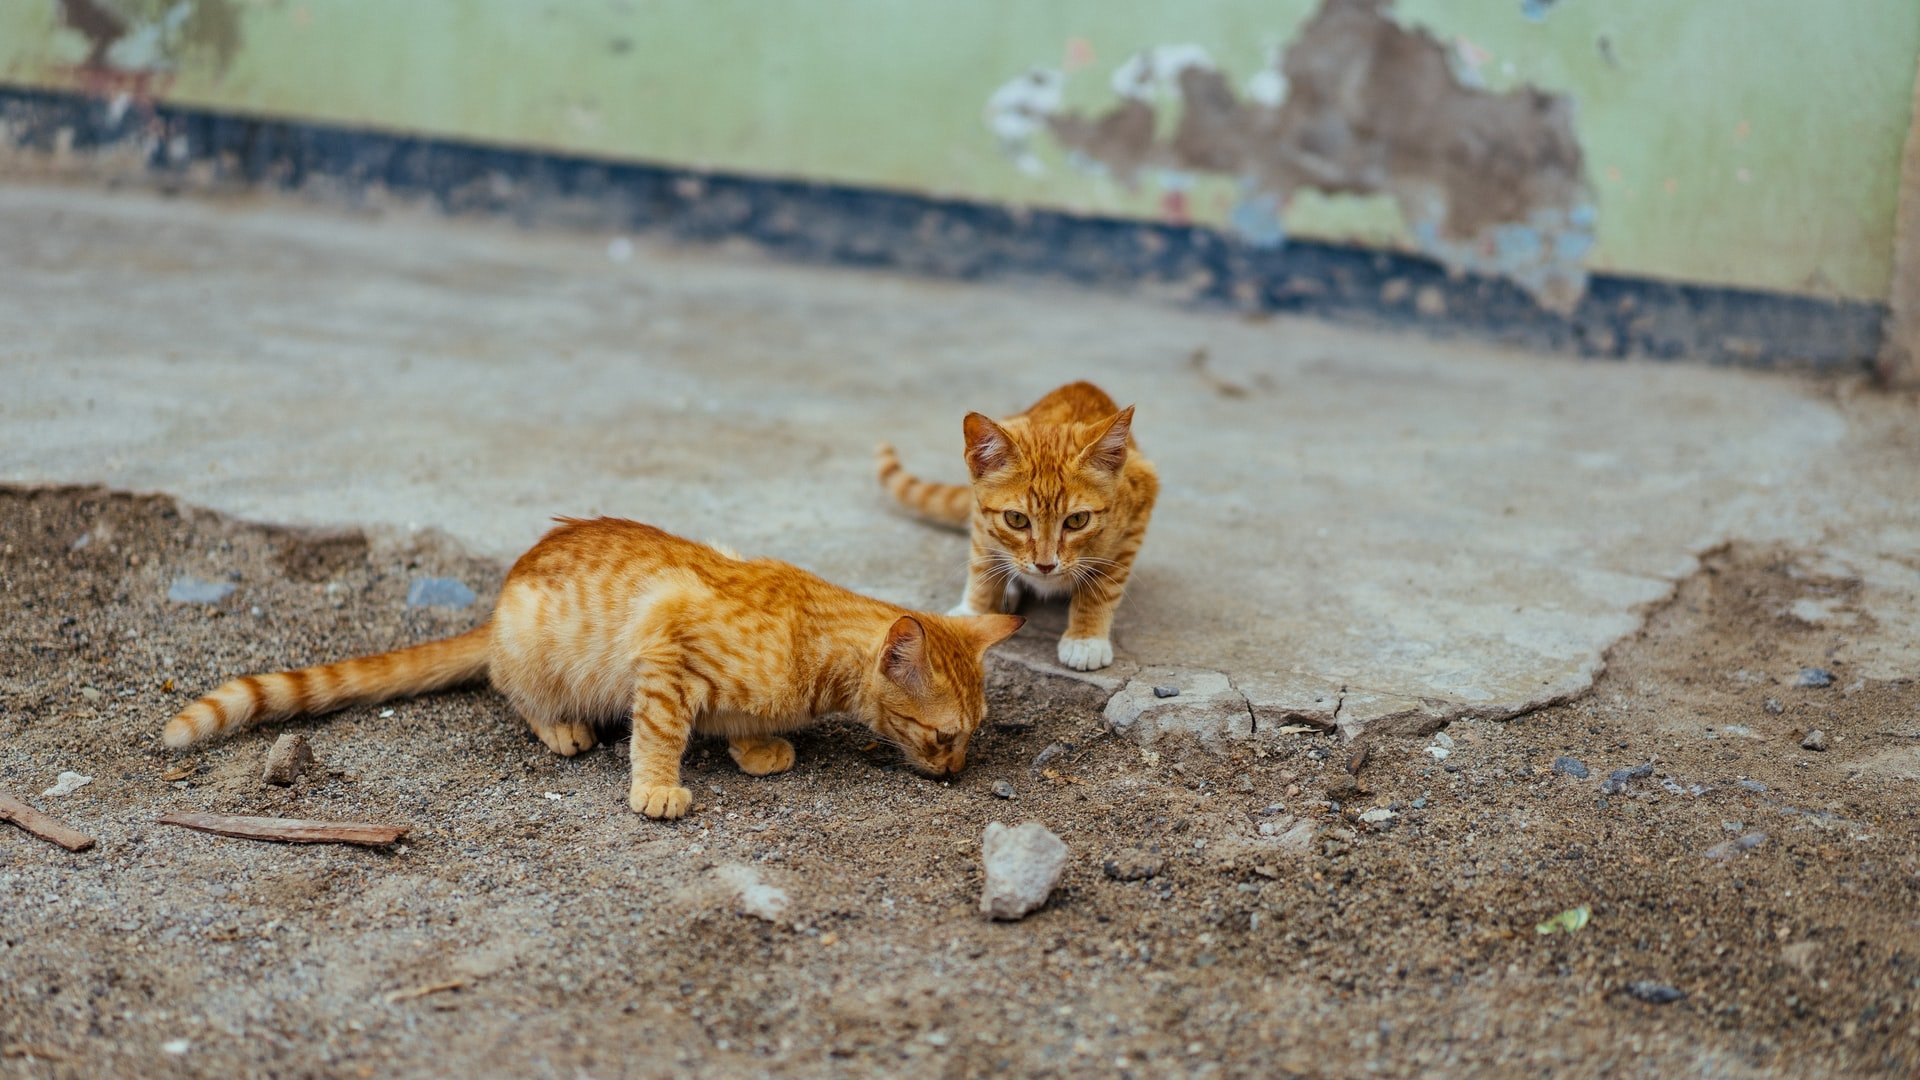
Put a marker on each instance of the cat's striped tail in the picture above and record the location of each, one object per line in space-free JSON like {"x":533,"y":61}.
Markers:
{"x":244,"y":702}
{"x":946,"y":504}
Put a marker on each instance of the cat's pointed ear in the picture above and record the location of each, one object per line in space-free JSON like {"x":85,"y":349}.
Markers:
{"x":988,"y":448}
{"x":1108,"y":452}
{"x":904,"y":656}
{"x":990,"y":630}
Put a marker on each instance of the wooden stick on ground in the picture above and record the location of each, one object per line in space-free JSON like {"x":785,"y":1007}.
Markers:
{"x":42,"y":826}
{"x":423,"y":991}
{"x":289,"y":830}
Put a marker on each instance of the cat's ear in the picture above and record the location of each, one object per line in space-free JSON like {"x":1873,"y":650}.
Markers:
{"x":1108,"y":452}
{"x":990,"y":630}
{"x":904,"y":656}
{"x":988,"y":448}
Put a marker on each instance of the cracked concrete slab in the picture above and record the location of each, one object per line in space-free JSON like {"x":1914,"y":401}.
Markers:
{"x":1356,"y":528}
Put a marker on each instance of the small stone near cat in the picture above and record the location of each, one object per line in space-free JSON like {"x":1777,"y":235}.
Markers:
{"x":1813,"y":678}
{"x":1003,"y":789}
{"x":439,"y":592}
{"x":289,"y":755}
{"x":753,"y":895}
{"x":1654,"y":993}
{"x":1023,"y":864}
{"x":1133,"y":864}
{"x":192,"y":590}
{"x":1567,"y":766}
{"x":1166,"y":691}
{"x":1816,"y":740}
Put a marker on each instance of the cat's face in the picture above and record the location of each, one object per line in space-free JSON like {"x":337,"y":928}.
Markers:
{"x":930,"y":686}
{"x":1044,"y":494}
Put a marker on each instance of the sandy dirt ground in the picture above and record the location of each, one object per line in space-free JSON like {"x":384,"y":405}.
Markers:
{"x":1261,"y":915}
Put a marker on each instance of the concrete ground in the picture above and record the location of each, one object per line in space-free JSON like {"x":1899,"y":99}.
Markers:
{"x":1355,"y":526}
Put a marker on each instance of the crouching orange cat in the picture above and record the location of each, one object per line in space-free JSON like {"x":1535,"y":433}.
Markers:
{"x":1059,"y":505}
{"x":606,"y":617}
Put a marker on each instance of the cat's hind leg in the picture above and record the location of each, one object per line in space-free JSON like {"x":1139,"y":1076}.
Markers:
{"x":761,"y":755}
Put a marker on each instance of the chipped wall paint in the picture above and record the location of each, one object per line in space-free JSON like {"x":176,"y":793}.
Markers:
{"x":1731,"y":142}
{"x":1485,"y":181}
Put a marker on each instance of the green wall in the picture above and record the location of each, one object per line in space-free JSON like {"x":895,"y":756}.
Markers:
{"x":1738,"y":142}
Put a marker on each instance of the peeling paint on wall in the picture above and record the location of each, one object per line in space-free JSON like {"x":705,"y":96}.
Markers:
{"x":1493,"y":183}
{"x":127,"y":36}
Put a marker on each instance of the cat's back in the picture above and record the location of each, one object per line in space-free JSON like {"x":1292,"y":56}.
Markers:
{"x":1075,"y":403}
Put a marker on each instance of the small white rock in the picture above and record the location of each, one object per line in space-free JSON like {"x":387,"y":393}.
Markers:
{"x":1023,"y":864}
{"x":1377,"y":815}
{"x":755,"y":896}
{"x":177,"y":1046}
{"x":1439,"y":753}
{"x":67,"y":783}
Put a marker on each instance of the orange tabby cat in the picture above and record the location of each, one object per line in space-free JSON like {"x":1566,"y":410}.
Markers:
{"x":1059,"y":504}
{"x":607,"y":617}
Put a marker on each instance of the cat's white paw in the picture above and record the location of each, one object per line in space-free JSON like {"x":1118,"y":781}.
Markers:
{"x":961,"y":608}
{"x":1086,"y":653}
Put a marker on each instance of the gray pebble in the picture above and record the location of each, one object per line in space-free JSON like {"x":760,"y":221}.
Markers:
{"x":1003,"y":789}
{"x":1022,"y":866}
{"x":1133,"y":865}
{"x":438,"y":592}
{"x":1573,"y":767}
{"x":1729,"y":848}
{"x":1815,"y":740}
{"x":1616,"y":782}
{"x":1166,"y":691}
{"x":1420,"y":803}
{"x":1753,"y":785}
{"x":1052,"y":751}
{"x":1773,"y":706}
{"x":1654,"y":993}
{"x":191,"y":590}
{"x":1813,"y":677}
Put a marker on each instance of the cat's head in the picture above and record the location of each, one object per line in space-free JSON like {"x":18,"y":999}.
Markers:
{"x":927,"y":690}
{"x":1045,"y":492}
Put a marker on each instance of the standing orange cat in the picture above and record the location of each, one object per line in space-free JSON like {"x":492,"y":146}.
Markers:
{"x":607,"y":617}
{"x":1059,"y":505}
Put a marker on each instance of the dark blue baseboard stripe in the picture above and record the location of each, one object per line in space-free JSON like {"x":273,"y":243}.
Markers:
{"x":1620,"y":317}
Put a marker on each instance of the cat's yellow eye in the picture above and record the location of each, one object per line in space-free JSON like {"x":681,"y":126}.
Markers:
{"x":1016,"y":519}
{"x":1077,"y":520}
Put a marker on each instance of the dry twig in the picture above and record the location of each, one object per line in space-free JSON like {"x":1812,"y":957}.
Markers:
{"x":289,"y":830}
{"x":42,"y":826}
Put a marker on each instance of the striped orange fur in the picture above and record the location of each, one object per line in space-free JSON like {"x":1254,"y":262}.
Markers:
{"x":607,"y":617}
{"x":1059,"y":504}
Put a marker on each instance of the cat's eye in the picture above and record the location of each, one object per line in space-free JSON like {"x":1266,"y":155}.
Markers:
{"x":1077,"y":520}
{"x":1016,"y":519}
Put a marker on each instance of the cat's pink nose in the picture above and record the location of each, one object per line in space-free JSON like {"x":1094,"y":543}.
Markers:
{"x":1045,"y":567}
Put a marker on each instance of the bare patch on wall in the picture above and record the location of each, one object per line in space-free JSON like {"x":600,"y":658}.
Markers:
{"x":153,"y":36}
{"x":1358,"y":105}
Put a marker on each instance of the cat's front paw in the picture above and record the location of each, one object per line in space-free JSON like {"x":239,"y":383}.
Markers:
{"x":1086,"y":653}
{"x":661,"y":800}
{"x":762,"y":757}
